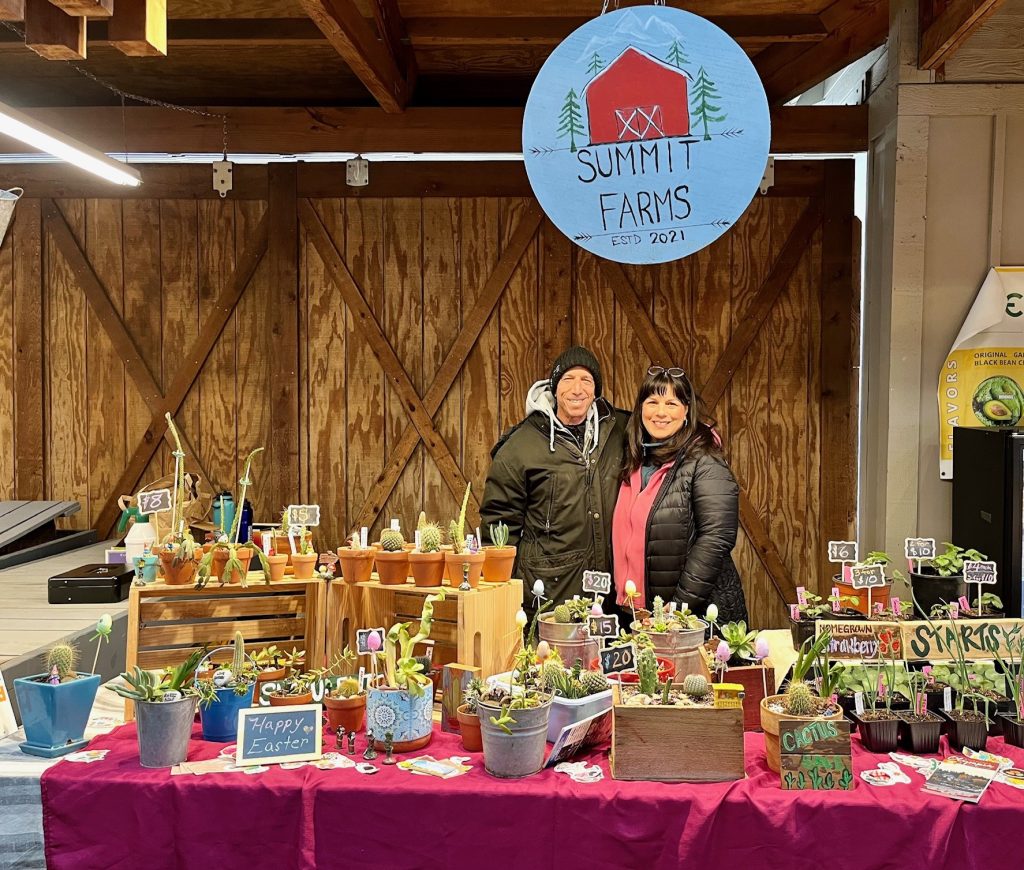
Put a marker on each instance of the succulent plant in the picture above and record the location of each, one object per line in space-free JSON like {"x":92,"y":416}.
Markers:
{"x":430,"y":538}
{"x":348,"y":687}
{"x":455,"y":537}
{"x":472,"y":694}
{"x":647,"y":672}
{"x":391,"y":540}
{"x":499,"y":534}
{"x":421,"y":521}
{"x":62,"y":656}
{"x":800,"y":699}
{"x":562,"y":613}
{"x":238,"y":659}
{"x":696,"y":686}
{"x":593,"y":682}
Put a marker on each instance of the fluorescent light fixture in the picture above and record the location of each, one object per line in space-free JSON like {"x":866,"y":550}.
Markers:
{"x":30,"y":131}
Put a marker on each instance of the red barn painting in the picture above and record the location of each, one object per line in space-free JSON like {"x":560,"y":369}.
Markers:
{"x":637,"y":97}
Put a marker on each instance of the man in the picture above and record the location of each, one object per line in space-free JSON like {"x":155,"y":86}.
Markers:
{"x":554,"y":479}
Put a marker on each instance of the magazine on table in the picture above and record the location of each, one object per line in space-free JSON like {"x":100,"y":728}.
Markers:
{"x":961,"y":778}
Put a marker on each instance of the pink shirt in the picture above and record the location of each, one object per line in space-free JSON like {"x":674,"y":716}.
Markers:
{"x":629,"y":531}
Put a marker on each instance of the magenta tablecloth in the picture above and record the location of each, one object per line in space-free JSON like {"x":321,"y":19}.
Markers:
{"x":115,"y":814}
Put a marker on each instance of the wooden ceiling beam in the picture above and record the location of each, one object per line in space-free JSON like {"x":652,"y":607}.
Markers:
{"x":391,"y":28}
{"x":353,"y":39}
{"x":298,"y":130}
{"x":789,"y":70}
{"x":12,"y":10}
{"x":88,"y":8}
{"x":53,"y":34}
{"x":946,"y":24}
{"x":138,"y":28}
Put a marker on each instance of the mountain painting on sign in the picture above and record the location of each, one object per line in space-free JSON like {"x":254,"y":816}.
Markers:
{"x":646,"y":134}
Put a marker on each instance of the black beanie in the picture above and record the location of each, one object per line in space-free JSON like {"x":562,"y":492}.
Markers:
{"x":573,"y":357}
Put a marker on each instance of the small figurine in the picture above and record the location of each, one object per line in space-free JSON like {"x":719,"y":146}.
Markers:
{"x":464,"y":585}
{"x":351,"y":742}
{"x":54,"y":678}
{"x":389,"y":739}
{"x":370,"y":752}
{"x":339,"y":739}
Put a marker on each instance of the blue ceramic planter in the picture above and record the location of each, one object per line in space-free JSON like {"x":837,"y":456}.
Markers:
{"x":220,"y":719}
{"x":409,"y":718}
{"x":55,"y":716}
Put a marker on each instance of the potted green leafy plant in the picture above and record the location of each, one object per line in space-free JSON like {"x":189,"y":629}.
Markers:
{"x":392,"y":558}
{"x":967,"y":727}
{"x":232,"y":557}
{"x":676,"y":635}
{"x":941,"y":580}
{"x":800,"y":701}
{"x":402,"y":702}
{"x":814,"y":608}
{"x":879,"y":725}
{"x":427,"y":563}
{"x":747,"y":666}
{"x":499,"y":557}
{"x":880,"y":595}
{"x":356,"y":560}
{"x":165,"y":708}
{"x":989,"y":606}
{"x":179,"y":554}
{"x":1012,"y":720}
{"x":919,"y":727}
{"x":305,"y":556}
{"x":225,"y":692}
{"x":469,"y":717}
{"x":567,"y":630}
{"x":462,"y":562}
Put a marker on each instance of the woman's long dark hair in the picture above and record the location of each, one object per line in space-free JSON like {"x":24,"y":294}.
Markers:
{"x":697,"y":432}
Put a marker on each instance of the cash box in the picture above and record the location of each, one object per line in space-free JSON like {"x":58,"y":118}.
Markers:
{"x":90,"y":584}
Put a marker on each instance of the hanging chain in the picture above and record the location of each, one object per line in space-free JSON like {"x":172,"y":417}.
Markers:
{"x":149,"y":101}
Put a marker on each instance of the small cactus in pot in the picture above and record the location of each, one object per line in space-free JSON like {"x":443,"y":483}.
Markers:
{"x":392,"y":560}
{"x":427,"y":563}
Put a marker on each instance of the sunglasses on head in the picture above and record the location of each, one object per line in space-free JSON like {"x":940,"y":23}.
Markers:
{"x":672,"y":372}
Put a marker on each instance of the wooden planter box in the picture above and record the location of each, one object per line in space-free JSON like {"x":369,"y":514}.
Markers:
{"x":749,"y":676}
{"x":476,"y":628}
{"x":676,"y":744}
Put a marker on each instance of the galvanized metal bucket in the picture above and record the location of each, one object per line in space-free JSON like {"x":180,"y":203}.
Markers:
{"x":571,"y":639}
{"x":520,"y":753}
{"x":8,"y":199}
{"x":682,"y":648}
{"x":164,"y":729}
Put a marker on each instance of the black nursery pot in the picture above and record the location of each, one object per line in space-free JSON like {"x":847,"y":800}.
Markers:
{"x":878,"y":735}
{"x":801,"y":631}
{"x":931,"y":589}
{"x":1013,"y":729}
{"x":920,"y":738}
{"x":849,"y":704}
{"x":968,"y":733}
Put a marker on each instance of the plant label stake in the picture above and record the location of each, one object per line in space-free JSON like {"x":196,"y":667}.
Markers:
{"x":842,"y":553}
{"x":858,"y":703}
{"x":396,"y":524}
{"x":597,"y":583}
{"x":947,"y":699}
{"x":917,"y":549}
{"x":980,"y":573}
{"x":603,"y":626}
{"x":363,"y":537}
{"x":617,"y":659}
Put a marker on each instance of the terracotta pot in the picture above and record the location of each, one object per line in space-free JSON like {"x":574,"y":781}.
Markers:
{"x":427,"y":568}
{"x":770,"y":726}
{"x":277,"y":565}
{"x":220,"y":558}
{"x":283,"y":546}
{"x":304,"y":564}
{"x":356,"y":565}
{"x":409,"y":546}
{"x":179,"y":575}
{"x":290,"y":700}
{"x":469,"y":726}
{"x":445,"y":550}
{"x":455,"y":563}
{"x":879,"y":595}
{"x":270,"y":676}
{"x":498,"y":564}
{"x":392,"y":567}
{"x":346,"y":713}
{"x":245,"y":557}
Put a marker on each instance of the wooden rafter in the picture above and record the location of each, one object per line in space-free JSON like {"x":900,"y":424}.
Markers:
{"x":299,"y":130}
{"x":352,"y":37}
{"x":12,"y":10}
{"x":52,"y":33}
{"x":473,"y":324}
{"x":367,"y":325}
{"x":654,"y":343}
{"x":217,"y":317}
{"x":113,"y":325}
{"x":392,"y":30}
{"x":946,"y":24}
{"x":138,"y":28}
{"x":88,"y":8}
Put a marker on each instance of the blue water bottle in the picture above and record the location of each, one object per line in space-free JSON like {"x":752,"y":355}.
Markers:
{"x":223,"y":514}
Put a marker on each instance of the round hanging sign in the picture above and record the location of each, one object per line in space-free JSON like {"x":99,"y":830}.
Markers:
{"x":646,"y":134}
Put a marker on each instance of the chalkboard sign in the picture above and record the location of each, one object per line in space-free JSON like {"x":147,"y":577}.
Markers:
{"x":616,"y":659}
{"x":604,"y":626}
{"x":154,"y":501}
{"x":979,"y":572}
{"x":277,"y":734}
{"x":842,"y":551}
{"x":597,"y":582}
{"x":363,"y":639}
{"x":867,"y":576}
{"x":919,"y":548}
{"x":303,"y":514}
{"x":815,"y":755}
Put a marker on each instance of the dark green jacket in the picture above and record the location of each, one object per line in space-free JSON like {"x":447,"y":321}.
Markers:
{"x":557,"y":503}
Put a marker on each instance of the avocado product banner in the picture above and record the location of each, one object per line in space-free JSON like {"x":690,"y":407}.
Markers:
{"x":981,"y":382}
{"x":646,"y":134}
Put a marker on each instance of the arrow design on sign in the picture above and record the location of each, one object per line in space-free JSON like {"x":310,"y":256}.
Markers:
{"x":586,"y":237}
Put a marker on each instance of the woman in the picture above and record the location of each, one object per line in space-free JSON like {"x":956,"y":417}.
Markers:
{"x":676,"y":515}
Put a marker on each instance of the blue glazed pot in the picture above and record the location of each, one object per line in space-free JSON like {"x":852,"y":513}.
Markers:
{"x":220,"y":719}
{"x":55,"y":716}
{"x":409,"y":718}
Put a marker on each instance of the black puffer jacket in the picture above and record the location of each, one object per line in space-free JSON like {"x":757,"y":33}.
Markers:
{"x":691,"y":531}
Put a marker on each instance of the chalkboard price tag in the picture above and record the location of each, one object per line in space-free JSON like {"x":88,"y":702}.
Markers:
{"x":842,"y":551}
{"x":597,"y":582}
{"x":154,"y":500}
{"x":271,"y":735}
{"x":604,"y":626}
{"x":979,"y":572}
{"x":303,"y":514}
{"x":919,"y":548}
{"x":867,"y":576}
{"x":616,"y":659}
{"x":363,"y":639}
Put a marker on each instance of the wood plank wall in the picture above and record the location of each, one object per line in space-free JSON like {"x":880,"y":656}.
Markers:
{"x":70,"y":415}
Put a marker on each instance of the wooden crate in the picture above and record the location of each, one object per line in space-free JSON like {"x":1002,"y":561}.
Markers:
{"x":475,"y":628}
{"x":166,"y":622}
{"x":677,"y":744}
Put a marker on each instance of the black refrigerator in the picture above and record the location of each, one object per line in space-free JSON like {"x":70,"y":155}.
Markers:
{"x":988,"y":504}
